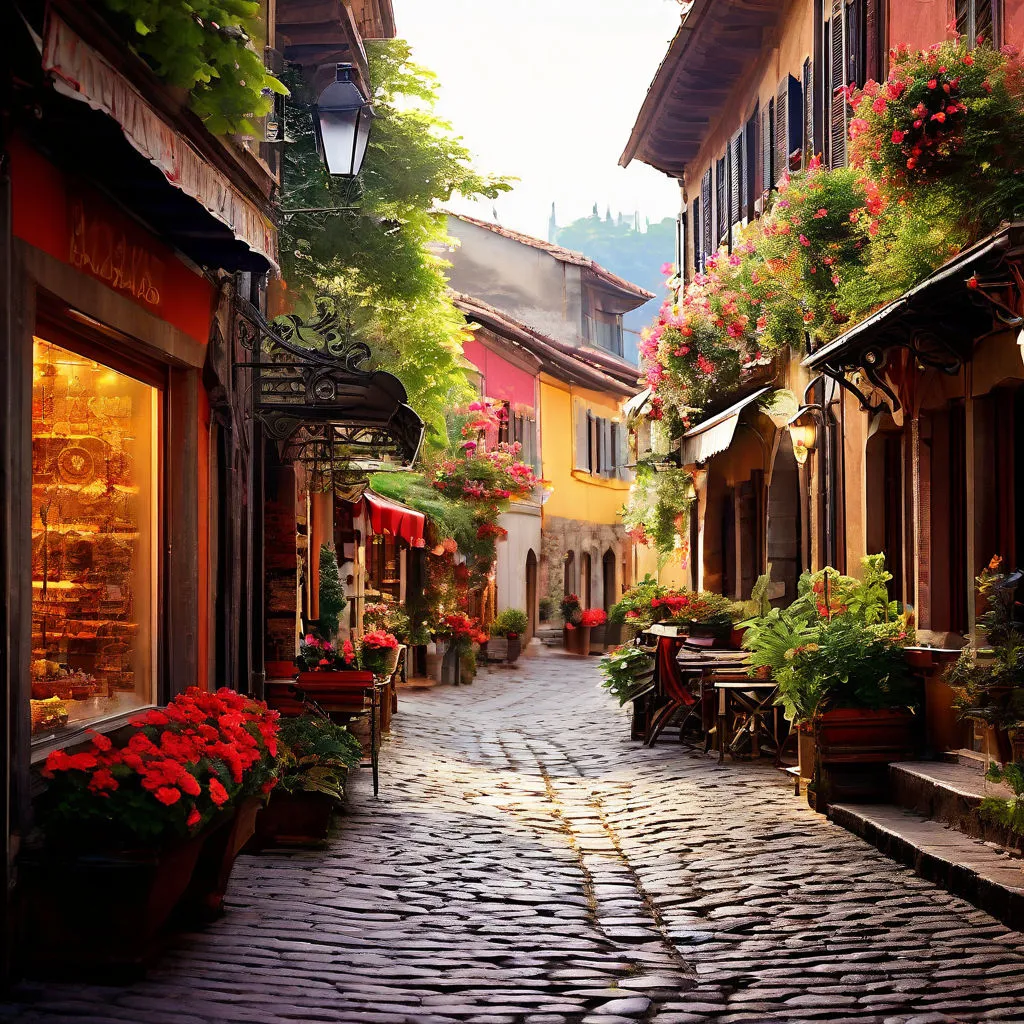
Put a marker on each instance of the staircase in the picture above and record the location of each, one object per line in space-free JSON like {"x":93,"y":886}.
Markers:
{"x":934,"y":825}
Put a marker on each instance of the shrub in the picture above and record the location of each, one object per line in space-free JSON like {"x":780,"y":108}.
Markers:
{"x":332,"y":595}
{"x":511,"y":622}
{"x":316,"y":755}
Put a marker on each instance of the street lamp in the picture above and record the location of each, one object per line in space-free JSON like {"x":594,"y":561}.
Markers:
{"x":803,"y":434}
{"x":342,"y":123}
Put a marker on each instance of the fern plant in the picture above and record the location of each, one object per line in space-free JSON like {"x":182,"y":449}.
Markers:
{"x":316,"y":755}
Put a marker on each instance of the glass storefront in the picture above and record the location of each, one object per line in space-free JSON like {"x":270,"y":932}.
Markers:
{"x":95,"y":497}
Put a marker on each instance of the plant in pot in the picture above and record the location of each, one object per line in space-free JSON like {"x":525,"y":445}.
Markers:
{"x":511,"y":625}
{"x":836,"y":655}
{"x":141,"y":824}
{"x":704,"y":614}
{"x":460,"y":632}
{"x":575,"y":636}
{"x":378,"y":653}
{"x":595,"y":620}
{"x":988,"y":677}
{"x":316,"y":755}
{"x":628,"y":673}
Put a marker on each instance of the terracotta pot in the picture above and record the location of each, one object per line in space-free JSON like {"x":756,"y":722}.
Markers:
{"x":805,"y":750}
{"x":736,"y":638}
{"x":293,"y":819}
{"x":204,"y":899}
{"x":99,"y":913}
{"x":577,"y":640}
{"x":515,"y":647}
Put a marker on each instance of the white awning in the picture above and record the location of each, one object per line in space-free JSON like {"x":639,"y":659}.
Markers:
{"x":715,"y":434}
{"x":80,"y":72}
{"x":638,"y":403}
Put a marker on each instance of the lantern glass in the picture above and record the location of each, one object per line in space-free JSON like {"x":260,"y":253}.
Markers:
{"x":342,"y":123}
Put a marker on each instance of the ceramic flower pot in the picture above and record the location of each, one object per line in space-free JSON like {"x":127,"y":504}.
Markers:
{"x":515,"y":648}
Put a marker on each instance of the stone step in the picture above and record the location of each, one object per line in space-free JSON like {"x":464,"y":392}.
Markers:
{"x":977,"y":871}
{"x":950,"y":793}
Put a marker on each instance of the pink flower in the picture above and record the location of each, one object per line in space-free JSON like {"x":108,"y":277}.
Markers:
{"x":898,"y":136}
{"x":668,"y":268}
{"x":804,"y":240}
{"x":879,"y":105}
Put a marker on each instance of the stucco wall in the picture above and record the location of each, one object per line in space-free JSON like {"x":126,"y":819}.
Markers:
{"x":528,"y":284}
{"x":576,"y":494}
{"x":523,"y":524}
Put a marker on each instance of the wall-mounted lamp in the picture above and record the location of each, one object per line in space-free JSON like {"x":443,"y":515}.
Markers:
{"x":804,"y":435}
{"x":342,"y":123}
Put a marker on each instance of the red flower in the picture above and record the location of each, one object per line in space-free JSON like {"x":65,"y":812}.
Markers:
{"x":972,"y":281}
{"x":898,"y":136}
{"x":193,"y":819}
{"x":168,"y":795}
{"x":218,"y":794}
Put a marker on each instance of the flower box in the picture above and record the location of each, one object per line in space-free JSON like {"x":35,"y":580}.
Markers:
{"x":577,"y":640}
{"x":293,"y":819}
{"x":496,"y":648}
{"x":100,"y":913}
{"x":204,"y":899}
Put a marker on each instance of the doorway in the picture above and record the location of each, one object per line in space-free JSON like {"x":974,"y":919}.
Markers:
{"x":585,"y":580}
{"x":531,"y":594}
{"x":608,"y":575}
{"x":784,"y":522}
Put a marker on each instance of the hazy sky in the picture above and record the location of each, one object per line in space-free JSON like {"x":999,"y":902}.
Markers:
{"x":547,"y":91}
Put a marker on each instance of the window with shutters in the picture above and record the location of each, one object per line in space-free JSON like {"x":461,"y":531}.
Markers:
{"x":581,"y":459}
{"x":735,"y":184}
{"x":749,"y":182}
{"x":788,"y":126}
{"x":767,"y":161}
{"x":721,"y":200}
{"x":978,"y":21}
{"x":846,"y":37}
{"x":524,"y":431}
{"x":810,"y":145}
{"x":706,"y":245}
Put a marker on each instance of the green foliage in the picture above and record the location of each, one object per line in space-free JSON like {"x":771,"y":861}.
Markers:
{"x":1009,"y":813}
{"x":989,"y":681}
{"x":658,"y":508}
{"x":380,"y":259}
{"x":839,"y":644}
{"x":210,"y":47}
{"x":510,"y":621}
{"x":331,"y":594}
{"x":316,"y":755}
{"x":544,"y":607}
{"x":628,"y":673}
{"x":635,"y":604}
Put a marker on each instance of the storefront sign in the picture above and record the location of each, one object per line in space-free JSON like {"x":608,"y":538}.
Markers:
{"x":104,"y":250}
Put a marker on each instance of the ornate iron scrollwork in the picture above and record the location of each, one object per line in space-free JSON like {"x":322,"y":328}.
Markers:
{"x":315,"y":397}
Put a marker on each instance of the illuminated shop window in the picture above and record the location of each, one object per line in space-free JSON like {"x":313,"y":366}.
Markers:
{"x":94,"y":541}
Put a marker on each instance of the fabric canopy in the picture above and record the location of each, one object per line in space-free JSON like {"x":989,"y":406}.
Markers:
{"x":715,"y":434}
{"x":399,"y":520}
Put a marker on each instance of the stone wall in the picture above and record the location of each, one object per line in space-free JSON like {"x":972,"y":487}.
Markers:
{"x":561,"y":536}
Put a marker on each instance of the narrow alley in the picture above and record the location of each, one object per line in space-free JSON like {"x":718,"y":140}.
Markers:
{"x":528,"y":863}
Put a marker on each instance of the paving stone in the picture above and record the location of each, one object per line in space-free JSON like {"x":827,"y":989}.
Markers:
{"x":529,"y":864}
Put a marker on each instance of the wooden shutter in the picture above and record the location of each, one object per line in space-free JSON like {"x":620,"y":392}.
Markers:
{"x":788,"y":125}
{"x":809,"y":143}
{"x":721,"y":201}
{"x":705,"y":219}
{"x":873,"y":42}
{"x":768,"y":147}
{"x":837,"y":85}
{"x":607,"y":464}
{"x":582,"y":416}
{"x":750,"y":186}
{"x":736,"y":179}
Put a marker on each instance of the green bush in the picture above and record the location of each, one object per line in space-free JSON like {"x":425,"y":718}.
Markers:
{"x":628,"y":673}
{"x":510,"y":621}
{"x":316,"y":755}
{"x":332,"y":596}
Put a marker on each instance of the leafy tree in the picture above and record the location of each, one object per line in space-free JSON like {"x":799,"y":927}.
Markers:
{"x":332,"y":596}
{"x":380,"y":253}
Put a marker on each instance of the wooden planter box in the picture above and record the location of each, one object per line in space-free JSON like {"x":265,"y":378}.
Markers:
{"x":598,"y":639}
{"x":496,"y":648}
{"x":100,"y":914}
{"x":853,"y":749}
{"x":338,"y":693}
{"x":293,"y":819}
{"x":204,"y":899}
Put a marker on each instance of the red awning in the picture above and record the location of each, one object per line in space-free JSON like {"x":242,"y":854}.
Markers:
{"x":398,"y":520}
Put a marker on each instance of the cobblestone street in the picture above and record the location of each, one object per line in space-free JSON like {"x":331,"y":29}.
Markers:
{"x":527,"y":862}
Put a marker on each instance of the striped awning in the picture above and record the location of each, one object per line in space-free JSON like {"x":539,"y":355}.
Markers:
{"x":715,"y":434}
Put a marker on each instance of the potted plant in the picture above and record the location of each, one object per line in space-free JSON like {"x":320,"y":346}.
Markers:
{"x":703,"y":614}
{"x":378,"y":653}
{"x":459,"y":632}
{"x":836,"y":654}
{"x":129,"y":823}
{"x":988,"y":677}
{"x":331,"y":593}
{"x":316,"y":755}
{"x":595,"y":619}
{"x":511,"y":624}
{"x":629,"y":677}
{"x":575,"y":636}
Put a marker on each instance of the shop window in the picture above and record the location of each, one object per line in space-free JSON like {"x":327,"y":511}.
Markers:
{"x":95,"y":494}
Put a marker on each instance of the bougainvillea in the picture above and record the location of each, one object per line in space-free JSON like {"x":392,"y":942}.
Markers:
{"x":167,"y":775}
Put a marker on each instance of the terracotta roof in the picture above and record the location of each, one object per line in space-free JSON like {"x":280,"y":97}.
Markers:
{"x":709,"y":56}
{"x":563,"y":361}
{"x":563,"y":255}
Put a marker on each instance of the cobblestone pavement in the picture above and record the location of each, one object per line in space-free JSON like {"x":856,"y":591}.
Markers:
{"x":528,"y":863}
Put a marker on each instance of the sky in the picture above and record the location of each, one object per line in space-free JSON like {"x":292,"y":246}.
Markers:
{"x":547,"y":91}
